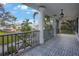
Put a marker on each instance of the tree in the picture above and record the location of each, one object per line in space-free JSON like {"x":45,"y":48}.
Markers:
{"x":2,"y":22}
{"x":47,"y":23}
{"x":25,"y":26}
{"x":13,"y":19}
{"x":7,"y":17}
{"x":35,"y":13}
{"x":2,"y":12}
{"x":13,"y":22}
{"x":10,"y":18}
{"x":68,"y":26}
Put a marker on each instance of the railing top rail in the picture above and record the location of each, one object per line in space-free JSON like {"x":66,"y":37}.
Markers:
{"x":6,"y":34}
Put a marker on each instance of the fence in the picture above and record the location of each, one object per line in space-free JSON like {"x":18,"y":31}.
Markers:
{"x":10,"y":44}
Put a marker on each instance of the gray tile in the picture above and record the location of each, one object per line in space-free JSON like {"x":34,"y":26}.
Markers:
{"x":62,"y":45}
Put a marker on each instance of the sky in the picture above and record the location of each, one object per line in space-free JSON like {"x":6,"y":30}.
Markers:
{"x":20,"y":11}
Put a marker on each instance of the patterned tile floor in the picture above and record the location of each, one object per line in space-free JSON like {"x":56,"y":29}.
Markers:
{"x":61,"y":45}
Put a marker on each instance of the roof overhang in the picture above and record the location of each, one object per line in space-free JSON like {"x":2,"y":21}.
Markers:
{"x":70,"y":9}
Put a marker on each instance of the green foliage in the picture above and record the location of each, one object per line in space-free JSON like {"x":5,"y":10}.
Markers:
{"x":2,"y":22}
{"x":47,"y":24}
{"x":68,"y":27}
{"x":26,"y":43}
{"x":11,"y":19}
{"x":11,"y":50}
{"x":2,"y":32}
{"x":9,"y":38}
{"x":14,"y":26}
{"x":25,"y":26}
{"x":6,"y":17}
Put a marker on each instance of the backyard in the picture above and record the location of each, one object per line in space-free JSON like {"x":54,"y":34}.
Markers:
{"x":13,"y":41}
{"x":5,"y":38}
{"x":10,"y":37}
{"x":2,"y":32}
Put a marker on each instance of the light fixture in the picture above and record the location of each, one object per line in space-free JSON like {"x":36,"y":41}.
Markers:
{"x":61,"y":14}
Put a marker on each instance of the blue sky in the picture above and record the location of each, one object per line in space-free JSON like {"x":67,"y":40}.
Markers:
{"x":20,"y":11}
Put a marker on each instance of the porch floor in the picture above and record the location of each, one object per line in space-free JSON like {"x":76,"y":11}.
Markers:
{"x":61,"y":45}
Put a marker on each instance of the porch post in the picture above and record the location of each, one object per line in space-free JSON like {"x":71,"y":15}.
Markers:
{"x":60,"y":26}
{"x":54,"y":26}
{"x":41,"y":23}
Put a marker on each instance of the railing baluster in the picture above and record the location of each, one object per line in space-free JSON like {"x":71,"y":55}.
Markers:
{"x":11,"y":44}
{"x":8,"y":44}
{"x":32,"y":38}
{"x":24,"y":36}
{"x":18,"y":42}
{"x":15,"y":42}
{"x":35,"y":37}
{"x":38,"y":37}
{"x":3,"y":45}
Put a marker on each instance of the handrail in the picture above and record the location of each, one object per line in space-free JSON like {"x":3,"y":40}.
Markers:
{"x":12,"y":42}
{"x":17,"y":33}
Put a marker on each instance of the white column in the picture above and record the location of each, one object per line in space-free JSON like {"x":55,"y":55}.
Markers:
{"x":59,"y":26}
{"x":41,"y":23}
{"x":54,"y":26}
{"x":60,"y":21}
{"x":53,"y":21}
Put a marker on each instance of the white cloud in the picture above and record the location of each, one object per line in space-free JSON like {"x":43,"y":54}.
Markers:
{"x":18,"y":6}
{"x":22,"y":7}
{"x":19,"y":22}
{"x":4,"y":3}
{"x":32,"y":20}
{"x":33,"y":10}
{"x":28,"y":12}
{"x":13,"y":11}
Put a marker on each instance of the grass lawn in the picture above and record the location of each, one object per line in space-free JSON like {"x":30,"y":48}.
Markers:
{"x":5,"y":38}
{"x":27,"y":43}
{"x":10,"y":38}
{"x":2,"y":32}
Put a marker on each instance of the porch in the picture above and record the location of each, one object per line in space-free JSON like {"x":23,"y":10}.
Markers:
{"x":61,"y":45}
{"x":49,"y":42}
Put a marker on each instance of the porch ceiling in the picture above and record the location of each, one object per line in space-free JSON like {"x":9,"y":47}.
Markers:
{"x":69,"y":9}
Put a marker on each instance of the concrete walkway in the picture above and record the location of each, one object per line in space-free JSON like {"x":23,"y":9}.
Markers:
{"x":61,"y":45}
